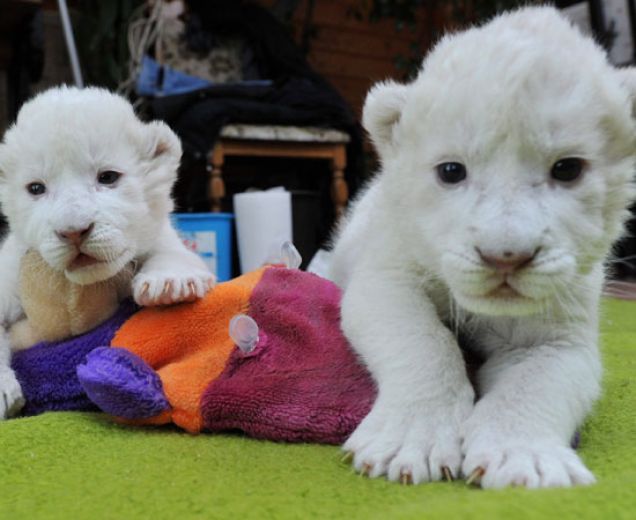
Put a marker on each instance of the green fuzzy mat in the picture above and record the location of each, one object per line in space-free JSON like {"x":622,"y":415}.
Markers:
{"x":80,"y":465}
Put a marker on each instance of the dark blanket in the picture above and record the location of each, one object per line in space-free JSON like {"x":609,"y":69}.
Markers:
{"x":298,"y":95}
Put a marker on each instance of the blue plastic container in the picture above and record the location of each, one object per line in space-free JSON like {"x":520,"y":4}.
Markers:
{"x":210,"y":236}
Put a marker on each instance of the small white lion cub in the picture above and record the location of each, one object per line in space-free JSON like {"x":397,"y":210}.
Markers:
{"x":507,"y":165}
{"x":87,"y":184}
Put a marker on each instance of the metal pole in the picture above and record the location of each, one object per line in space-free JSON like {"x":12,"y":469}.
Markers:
{"x":70,"y":43}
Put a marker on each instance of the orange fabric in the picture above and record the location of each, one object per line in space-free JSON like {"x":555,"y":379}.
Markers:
{"x":188,"y":345}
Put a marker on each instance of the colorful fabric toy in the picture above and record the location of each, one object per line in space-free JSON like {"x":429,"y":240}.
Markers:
{"x":296,"y":380}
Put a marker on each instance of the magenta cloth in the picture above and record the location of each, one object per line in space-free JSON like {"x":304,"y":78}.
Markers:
{"x":302,"y":383}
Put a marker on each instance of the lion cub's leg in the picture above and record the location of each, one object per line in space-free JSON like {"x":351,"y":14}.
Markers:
{"x":424,"y":395}
{"x":533,"y":400}
{"x":171,"y":273}
{"x":11,"y":399}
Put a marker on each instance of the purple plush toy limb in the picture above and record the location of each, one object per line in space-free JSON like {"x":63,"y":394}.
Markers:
{"x":122,"y":384}
{"x":47,"y":371}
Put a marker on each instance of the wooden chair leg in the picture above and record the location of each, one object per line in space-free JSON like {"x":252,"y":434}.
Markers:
{"x":217,"y":185}
{"x":339,"y":188}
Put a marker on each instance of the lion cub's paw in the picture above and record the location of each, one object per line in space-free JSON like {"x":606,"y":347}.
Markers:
{"x":11,"y":398}
{"x":165,"y":288}
{"x":529,"y":464}
{"x":407,"y":448}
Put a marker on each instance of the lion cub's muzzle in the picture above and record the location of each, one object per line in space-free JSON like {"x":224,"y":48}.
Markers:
{"x":75,"y":237}
{"x":507,"y":262}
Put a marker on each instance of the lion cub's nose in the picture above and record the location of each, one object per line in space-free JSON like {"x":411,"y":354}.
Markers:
{"x":74,"y":236}
{"x":507,"y":262}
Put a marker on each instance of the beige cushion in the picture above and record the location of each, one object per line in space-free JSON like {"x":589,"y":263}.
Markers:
{"x":308,"y":134}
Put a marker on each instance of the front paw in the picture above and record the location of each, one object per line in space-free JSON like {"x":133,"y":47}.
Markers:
{"x":406,"y":444}
{"x":11,"y":398}
{"x":165,"y":287}
{"x":499,"y":463}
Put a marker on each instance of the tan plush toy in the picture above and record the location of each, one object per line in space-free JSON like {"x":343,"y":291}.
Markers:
{"x":57,"y":308}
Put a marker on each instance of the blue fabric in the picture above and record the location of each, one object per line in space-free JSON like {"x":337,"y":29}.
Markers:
{"x":161,"y":80}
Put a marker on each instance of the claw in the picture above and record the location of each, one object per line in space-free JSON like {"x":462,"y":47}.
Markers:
{"x":347,"y":457}
{"x":192,"y":287}
{"x":447,"y":473}
{"x":144,"y":288}
{"x":406,"y":479}
{"x":475,"y":476}
{"x":167,"y":287}
{"x":366,"y":470}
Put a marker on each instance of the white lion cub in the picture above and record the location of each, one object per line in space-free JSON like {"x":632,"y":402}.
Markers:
{"x":507,"y":165}
{"x":87,"y":185}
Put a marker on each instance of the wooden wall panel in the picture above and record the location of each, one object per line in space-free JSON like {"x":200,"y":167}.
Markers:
{"x":354,"y":53}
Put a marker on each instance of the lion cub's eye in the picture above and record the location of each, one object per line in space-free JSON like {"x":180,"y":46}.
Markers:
{"x":567,"y":170}
{"x":36,"y":188}
{"x":451,"y":172}
{"x":108,"y":177}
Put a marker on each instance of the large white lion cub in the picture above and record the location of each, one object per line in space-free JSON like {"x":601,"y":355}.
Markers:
{"x":507,"y":165}
{"x":87,"y":184}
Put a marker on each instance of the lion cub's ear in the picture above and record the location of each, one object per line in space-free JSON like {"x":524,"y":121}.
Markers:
{"x":382,"y":111}
{"x":162,"y":144}
{"x":162,"y":152}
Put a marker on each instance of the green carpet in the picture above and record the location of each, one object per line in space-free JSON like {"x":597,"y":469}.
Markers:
{"x":80,"y":465}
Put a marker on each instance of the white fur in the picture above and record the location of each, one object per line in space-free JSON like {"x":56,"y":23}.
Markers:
{"x":508,"y":100}
{"x":64,"y":138}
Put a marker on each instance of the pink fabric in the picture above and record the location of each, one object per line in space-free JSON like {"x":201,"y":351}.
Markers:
{"x":302,"y":383}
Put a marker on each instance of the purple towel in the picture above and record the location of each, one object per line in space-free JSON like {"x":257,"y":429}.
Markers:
{"x":47,"y":371}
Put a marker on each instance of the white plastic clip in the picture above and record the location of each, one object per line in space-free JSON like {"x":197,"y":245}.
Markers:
{"x":290,"y":256}
{"x":244,"y":332}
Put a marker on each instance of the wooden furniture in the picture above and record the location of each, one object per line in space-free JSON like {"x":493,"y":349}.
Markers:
{"x":281,"y":141}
